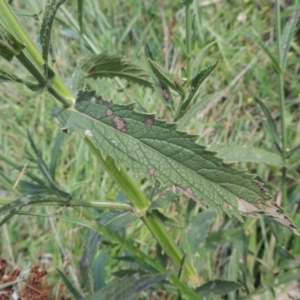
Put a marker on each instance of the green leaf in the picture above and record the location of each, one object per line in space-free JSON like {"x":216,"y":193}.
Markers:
{"x":265,"y":49}
{"x":49,"y":15}
{"x":293,"y":151}
{"x":284,"y":253}
{"x":195,"y":85}
{"x":197,"y":229}
{"x":113,"y":236}
{"x":237,"y":153}
{"x":91,"y":245}
{"x":106,"y":65}
{"x":162,"y":75}
{"x":99,"y":269}
{"x":79,"y":13}
{"x":288,"y":33}
{"x":55,"y":153}
{"x":70,"y":286}
{"x":218,"y":287}
{"x":77,"y":80}
{"x":156,"y":149}
{"x":128,"y":288}
{"x":163,"y":201}
{"x":194,"y":110}
{"x":271,"y":126}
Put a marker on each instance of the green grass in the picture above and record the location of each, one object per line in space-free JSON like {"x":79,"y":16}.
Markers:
{"x":234,"y":251}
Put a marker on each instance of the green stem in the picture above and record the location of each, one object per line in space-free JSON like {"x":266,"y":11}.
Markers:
{"x":281,"y":97}
{"x":32,"y":58}
{"x":188,"y":19}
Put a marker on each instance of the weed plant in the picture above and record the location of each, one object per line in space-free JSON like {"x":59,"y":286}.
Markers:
{"x":133,"y":206}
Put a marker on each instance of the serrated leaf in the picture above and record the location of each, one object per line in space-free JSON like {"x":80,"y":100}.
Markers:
{"x":197,"y":229}
{"x":70,"y":286}
{"x":156,"y":149}
{"x":99,"y":270}
{"x":108,"y":65}
{"x":115,"y":219}
{"x":166,"y":77}
{"x":218,"y":287}
{"x":49,"y":15}
{"x":237,"y":153}
{"x":270,"y":121}
{"x":6,"y":75}
{"x":164,"y":200}
{"x":288,"y":33}
{"x":91,"y":245}
{"x":128,"y":288}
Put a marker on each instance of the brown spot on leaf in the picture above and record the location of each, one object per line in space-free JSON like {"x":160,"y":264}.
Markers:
{"x":165,"y":94}
{"x":108,"y":112}
{"x":152,"y":171}
{"x":120,"y":124}
{"x":103,"y":101}
{"x":149,"y":121}
{"x":187,"y":191}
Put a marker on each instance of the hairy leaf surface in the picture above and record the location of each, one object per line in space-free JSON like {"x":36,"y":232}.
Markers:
{"x":155,"y":148}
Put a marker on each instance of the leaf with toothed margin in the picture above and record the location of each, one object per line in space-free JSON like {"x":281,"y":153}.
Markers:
{"x":152,"y":147}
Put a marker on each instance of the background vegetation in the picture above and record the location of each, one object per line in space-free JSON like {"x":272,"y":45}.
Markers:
{"x":256,"y":253}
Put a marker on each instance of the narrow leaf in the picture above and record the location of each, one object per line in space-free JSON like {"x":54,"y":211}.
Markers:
{"x":128,"y":288}
{"x":195,"y":85}
{"x":99,"y":269}
{"x":293,"y":151}
{"x":70,"y":286}
{"x":238,"y":153}
{"x":159,"y":85}
{"x":166,"y":77}
{"x":194,"y":110}
{"x":49,"y":15}
{"x":270,"y":121}
{"x":91,"y":245}
{"x":288,"y":32}
{"x":218,"y":287}
{"x":55,"y":152}
{"x":156,"y":149}
{"x":79,"y":13}
{"x":106,"y":65}
{"x":265,"y":49}
{"x":163,"y":201}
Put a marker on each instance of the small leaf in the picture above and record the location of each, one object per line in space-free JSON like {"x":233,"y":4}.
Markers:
{"x":197,"y":229}
{"x":99,"y":270}
{"x":265,"y":49}
{"x":218,"y":287}
{"x":91,"y":246}
{"x":166,"y":77}
{"x":284,"y":253}
{"x":128,"y":288}
{"x":55,"y":152}
{"x":115,"y":219}
{"x":49,"y":15}
{"x":195,"y":85}
{"x":70,"y":286}
{"x":293,"y":151}
{"x":163,"y":201}
{"x":288,"y":32}
{"x":270,"y":121}
{"x":194,"y":110}
{"x":77,"y":80}
{"x":237,"y":153}
{"x":106,"y":65}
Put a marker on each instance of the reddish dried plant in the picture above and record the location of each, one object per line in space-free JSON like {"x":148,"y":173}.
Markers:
{"x":35,"y":286}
